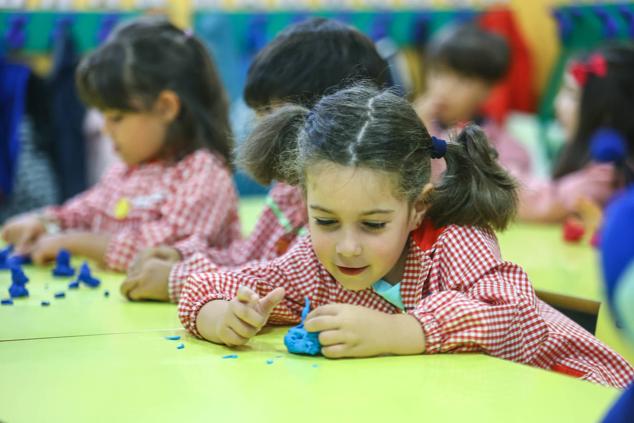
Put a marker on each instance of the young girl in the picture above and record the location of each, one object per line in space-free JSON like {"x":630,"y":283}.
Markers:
{"x":281,"y":72}
{"x":394,"y":265}
{"x":598,"y":93}
{"x":166,"y":113}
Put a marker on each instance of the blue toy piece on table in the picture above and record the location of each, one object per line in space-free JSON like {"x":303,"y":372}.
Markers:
{"x":18,"y":282}
{"x":300,"y":341}
{"x":5,"y":253}
{"x":62,"y":264}
{"x":86,"y":276}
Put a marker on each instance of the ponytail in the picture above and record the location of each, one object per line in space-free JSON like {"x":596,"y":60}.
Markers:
{"x":270,"y":151}
{"x":475,"y":189}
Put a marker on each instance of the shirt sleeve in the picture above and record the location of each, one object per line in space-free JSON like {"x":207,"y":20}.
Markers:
{"x":551,"y":201}
{"x":297,"y":272}
{"x":79,"y":212}
{"x":487,"y":305}
{"x":205,"y":204}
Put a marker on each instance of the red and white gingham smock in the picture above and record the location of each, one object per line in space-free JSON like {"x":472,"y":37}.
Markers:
{"x":466,"y":298}
{"x":282,"y":220}
{"x":156,"y":203}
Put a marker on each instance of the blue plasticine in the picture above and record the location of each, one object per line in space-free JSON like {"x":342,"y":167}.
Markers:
{"x":17,"y":276}
{"x":230,"y":356}
{"x":5,"y":253}
{"x":106,"y":293}
{"x":45,"y":303}
{"x":314,"y":366}
{"x":86,"y":277}
{"x":17,"y":291}
{"x":173,"y":338}
{"x":8,"y":301}
{"x":269,"y":361}
{"x":180,"y":346}
{"x":18,"y":260}
{"x":74,"y":284}
{"x":62,"y":264}
{"x":299,"y":341}
{"x":60,"y":294}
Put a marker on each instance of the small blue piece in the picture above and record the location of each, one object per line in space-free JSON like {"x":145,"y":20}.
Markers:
{"x":230,"y":356}
{"x":5,"y":253}
{"x":269,"y":361}
{"x":19,"y":280}
{"x":173,"y":338}
{"x":73,"y":284}
{"x":62,"y":264}
{"x":8,"y":301}
{"x":315,"y":366}
{"x":299,"y":341}
{"x":45,"y":303}
{"x":18,"y":260}
{"x":60,"y":294}
{"x":86,"y":277}
{"x":180,"y":346}
{"x":106,"y":293}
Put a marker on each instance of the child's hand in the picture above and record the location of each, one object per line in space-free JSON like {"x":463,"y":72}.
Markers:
{"x":46,"y":248}
{"x":242,"y":317}
{"x":162,"y":252}
{"x":354,"y":331}
{"x":23,"y":232}
{"x":150,"y":282}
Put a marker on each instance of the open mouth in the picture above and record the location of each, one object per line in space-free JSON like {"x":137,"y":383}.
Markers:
{"x":351,"y":270}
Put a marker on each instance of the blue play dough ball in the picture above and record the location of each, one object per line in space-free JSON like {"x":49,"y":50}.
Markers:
{"x":299,"y":341}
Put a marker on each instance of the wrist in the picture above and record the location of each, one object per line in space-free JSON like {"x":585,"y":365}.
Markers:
{"x":406,"y":336}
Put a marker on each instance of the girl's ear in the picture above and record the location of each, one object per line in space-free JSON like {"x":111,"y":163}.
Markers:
{"x":420,"y":206}
{"x":167,"y":105}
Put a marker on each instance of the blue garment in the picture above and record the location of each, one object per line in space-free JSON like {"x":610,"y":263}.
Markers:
{"x":67,"y":113}
{"x":391,"y":293}
{"x":13,"y":86}
{"x":623,"y":409}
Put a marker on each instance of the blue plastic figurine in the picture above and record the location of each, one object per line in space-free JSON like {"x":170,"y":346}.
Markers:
{"x":5,"y":253}
{"x":19,"y":280}
{"x":300,"y":341}
{"x":62,"y":264}
{"x":86,"y":277}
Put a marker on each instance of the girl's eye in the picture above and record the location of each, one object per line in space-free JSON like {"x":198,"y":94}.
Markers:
{"x":374,"y":225}
{"x":325,"y":222}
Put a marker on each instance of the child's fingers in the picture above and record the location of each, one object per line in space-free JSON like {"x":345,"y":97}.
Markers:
{"x":321,"y":323}
{"x":247,"y":314}
{"x":325,"y":310}
{"x":127,"y":286}
{"x":243,"y":329}
{"x":332,"y":337}
{"x":273,"y":298}
{"x":246,"y":295}
{"x":230,"y":337}
{"x":336,"y":351}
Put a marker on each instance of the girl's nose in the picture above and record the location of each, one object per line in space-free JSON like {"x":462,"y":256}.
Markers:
{"x":348,"y":247}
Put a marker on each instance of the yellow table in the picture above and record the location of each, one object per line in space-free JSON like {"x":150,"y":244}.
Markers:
{"x":144,"y":377}
{"x":563,"y":274}
{"x":83,"y":311}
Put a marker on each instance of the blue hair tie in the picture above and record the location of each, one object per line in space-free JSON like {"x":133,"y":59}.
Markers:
{"x":438,"y":148}
{"x":608,"y":146}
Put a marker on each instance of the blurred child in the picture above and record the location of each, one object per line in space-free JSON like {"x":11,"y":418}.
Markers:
{"x":597,"y":94}
{"x":464,"y":65}
{"x":166,"y":113}
{"x":393,"y":264}
{"x":300,"y":65}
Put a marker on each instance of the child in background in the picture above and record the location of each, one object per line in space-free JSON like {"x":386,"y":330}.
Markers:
{"x":166,"y":113}
{"x":597,"y":93}
{"x":282,"y":72}
{"x":394,"y":265}
{"x":464,"y":65}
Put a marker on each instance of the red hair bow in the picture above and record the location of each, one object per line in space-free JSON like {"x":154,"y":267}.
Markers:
{"x":595,"y":65}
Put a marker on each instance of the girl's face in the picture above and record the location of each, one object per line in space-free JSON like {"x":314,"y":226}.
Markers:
{"x":138,"y":137}
{"x":567,"y":105}
{"x":359,"y":229}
